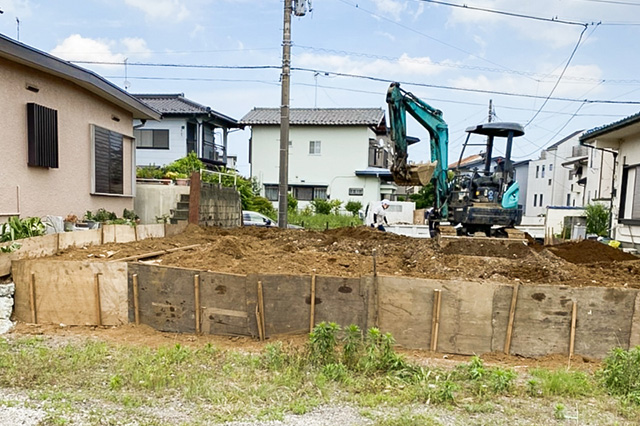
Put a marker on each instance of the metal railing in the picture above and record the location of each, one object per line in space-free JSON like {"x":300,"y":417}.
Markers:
{"x":220,"y":174}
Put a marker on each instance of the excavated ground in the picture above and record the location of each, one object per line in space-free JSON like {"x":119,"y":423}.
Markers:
{"x":351,"y":252}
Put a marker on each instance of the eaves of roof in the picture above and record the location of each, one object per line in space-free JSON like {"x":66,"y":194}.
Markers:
{"x":172,"y":105}
{"x":563,"y":140}
{"x":608,"y":128}
{"x":316,"y":117}
{"x":23,"y":54}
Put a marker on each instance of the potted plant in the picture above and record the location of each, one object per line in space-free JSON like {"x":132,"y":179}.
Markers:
{"x":70,"y":222}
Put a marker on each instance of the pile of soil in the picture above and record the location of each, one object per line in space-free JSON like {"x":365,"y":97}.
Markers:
{"x":350,"y":252}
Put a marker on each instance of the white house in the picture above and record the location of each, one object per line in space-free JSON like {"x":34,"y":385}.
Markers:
{"x":621,"y":139}
{"x":339,"y":154}
{"x":186,"y":126}
{"x":552,"y":184}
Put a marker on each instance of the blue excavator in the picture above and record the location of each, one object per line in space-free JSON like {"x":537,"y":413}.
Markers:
{"x":481,"y":201}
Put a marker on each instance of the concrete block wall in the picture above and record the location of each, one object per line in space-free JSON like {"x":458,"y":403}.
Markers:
{"x":219,"y":206}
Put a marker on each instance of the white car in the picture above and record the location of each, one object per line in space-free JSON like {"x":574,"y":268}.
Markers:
{"x":250,"y":218}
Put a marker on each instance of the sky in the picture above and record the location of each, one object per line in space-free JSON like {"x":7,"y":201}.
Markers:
{"x":555,"y":66}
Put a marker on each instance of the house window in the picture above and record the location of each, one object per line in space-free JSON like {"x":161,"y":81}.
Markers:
{"x":154,"y":139}
{"x":541,"y":199}
{"x":42,"y":136}
{"x":537,"y":171}
{"x":535,"y":200}
{"x":271,"y":192}
{"x":542,"y":172}
{"x":551,"y":167}
{"x":309,"y":193}
{"x":568,"y":199}
{"x":108,"y":149}
{"x":354,"y":192}
{"x":314,"y":147}
{"x":630,"y":193}
{"x":549,"y":182}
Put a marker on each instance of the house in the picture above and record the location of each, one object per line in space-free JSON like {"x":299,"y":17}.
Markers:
{"x":339,"y":154}
{"x":621,"y":141}
{"x":186,"y":126}
{"x":521,"y":175}
{"x":557,"y":178}
{"x":67,"y":137}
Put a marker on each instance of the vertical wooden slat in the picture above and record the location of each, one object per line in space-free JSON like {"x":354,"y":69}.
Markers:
{"x":512,"y":314}
{"x":196,"y":291}
{"x":136,"y":300}
{"x":572,"y":337}
{"x":32,"y":298}
{"x":435,"y":320}
{"x":98,"y":307}
{"x":261,"y":326}
{"x":312,"y":317}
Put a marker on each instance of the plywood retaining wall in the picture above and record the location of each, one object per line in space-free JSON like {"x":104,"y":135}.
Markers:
{"x":48,"y":245}
{"x":444,"y":315}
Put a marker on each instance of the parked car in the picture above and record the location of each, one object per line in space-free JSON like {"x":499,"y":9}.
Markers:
{"x":250,"y":218}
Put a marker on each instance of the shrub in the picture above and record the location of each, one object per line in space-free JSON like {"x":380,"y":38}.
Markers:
{"x":321,"y":206}
{"x":187,"y":165}
{"x":323,"y":342}
{"x":292,"y":203}
{"x":264,"y":206}
{"x":621,"y":374}
{"x":597,"y":219}
{"x":353,"y":207}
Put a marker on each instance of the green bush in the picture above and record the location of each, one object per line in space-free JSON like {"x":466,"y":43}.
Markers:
{"x":150,"y":172}
{"x":292,"y":203}
{"x":597,"y":219}
{"x":321,"y":206}
{"x":17,"y":228}
{"x":186,"y":165}
{"x":621,"y":374}
{"x":353,"y":207}
{"x":264,"y":206}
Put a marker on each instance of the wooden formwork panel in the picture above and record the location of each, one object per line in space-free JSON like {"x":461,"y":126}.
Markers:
{"x":67,"y":292}
{"x":45,"y":245}
{"x":223,"y":301}
{"x":340,"y":300}
{"x":80,"y":238}
{"x":118,"y":234}
{"x":155,"y":230}
{"x":542,"y":321}
{"x":634,"y":340}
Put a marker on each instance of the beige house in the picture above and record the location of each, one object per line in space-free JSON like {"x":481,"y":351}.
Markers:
{"x":621,"y":140}
{"x":66,"y":142}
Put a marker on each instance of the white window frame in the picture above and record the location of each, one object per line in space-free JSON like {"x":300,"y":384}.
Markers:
{"x":315,"y":147}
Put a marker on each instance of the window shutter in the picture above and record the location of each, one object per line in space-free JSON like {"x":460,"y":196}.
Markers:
{"x":42,"y":136}
{"x":102,"y":160}
{"x":109,"y":156}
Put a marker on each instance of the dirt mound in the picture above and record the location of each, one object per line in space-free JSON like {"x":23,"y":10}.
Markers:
{"x":590,"y":251}
{"x":350,"y":252}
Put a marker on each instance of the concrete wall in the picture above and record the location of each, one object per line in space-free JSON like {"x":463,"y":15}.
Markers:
{"x":153,"y":200}
{"x":39,"y":191}
{"x":219,"y":206}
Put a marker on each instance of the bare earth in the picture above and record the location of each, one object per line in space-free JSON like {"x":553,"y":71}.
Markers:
{"x":351,"y":251}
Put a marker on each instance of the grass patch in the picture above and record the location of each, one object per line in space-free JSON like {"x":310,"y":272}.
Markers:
{"x":565,"y":383}
{"x":320,"y":222}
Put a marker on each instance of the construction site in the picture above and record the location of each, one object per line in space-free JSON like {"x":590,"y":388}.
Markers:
{"x":456,"y":295}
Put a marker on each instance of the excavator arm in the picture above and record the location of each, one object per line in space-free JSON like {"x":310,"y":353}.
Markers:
{"x":400,"y":102}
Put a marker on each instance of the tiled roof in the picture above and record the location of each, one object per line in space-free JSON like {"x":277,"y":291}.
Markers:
{"x":169,"y":104}
{"x":316,"y":116}
{"x":610,"y":127}
{"x":472,"y":159}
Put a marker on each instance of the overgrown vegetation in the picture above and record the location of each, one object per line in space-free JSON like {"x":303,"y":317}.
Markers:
{"x":597,"y":219}
{"x":338,"y":364}
{"x":129,"y":217}
{"x":16,"y":228}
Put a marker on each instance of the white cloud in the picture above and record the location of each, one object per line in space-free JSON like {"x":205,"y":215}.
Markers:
{"x":578,"y":80}
{"x":419,"y":11}
{"x":161,"y":9}
{"x":404,"y":66}
{"x":135,"y":46}
{"x":390,"y":7}
{"x":78,"y":48}
{"x":19,"y":8}
{"x":387,"y":35}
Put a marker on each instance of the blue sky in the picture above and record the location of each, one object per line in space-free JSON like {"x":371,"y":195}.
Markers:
{"x":443,"y":54}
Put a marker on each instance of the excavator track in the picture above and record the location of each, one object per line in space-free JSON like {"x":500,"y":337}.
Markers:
{"x":448,"y":232}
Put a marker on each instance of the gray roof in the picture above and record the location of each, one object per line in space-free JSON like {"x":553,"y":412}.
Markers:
{"x":317,"y":116}
{"x":597,"y":131}
{"x":33,"y":58}
{"x":177,"y":104}
{"x":561,"y":141}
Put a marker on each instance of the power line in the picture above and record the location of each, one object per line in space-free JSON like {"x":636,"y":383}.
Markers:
{"x":143,"y":64}
{"x":500,"y":12}
{"x":559,"y":78}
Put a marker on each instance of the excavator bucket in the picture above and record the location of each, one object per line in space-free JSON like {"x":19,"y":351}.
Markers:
{"x":415,"y":174}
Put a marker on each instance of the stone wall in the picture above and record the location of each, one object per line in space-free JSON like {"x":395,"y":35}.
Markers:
{"x":6,"y":306}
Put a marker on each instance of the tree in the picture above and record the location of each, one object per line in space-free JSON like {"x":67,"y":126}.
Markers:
{"x":597,"y":219}
{"x":425,"y":197}
{"x":353,"y":207}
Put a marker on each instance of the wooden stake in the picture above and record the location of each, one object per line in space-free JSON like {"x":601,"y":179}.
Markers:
{"x":572,"y":337}
{"x":154,"y":253}
{"x":196,"y":292}
{"x":32,"y":298}
{"x":435,"y":321}
{"x":101,"y":233}
{"x":96,"y":281}
{"x":135,"y":231}
{"x":312,"y":319}
{"x":259,"y":323}
{"x":261,"y":311}
{"x":512,"y":314}
{"x":136,"y":300}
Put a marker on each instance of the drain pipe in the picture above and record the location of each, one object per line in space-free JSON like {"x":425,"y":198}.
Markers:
{"x":613,"y":182}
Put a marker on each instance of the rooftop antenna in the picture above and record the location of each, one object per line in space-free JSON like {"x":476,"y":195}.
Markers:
{"x":127,"y":84}
{"x":18,"y":27}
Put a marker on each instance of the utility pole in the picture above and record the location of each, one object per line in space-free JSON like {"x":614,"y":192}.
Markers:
{"x":301,"y":7}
